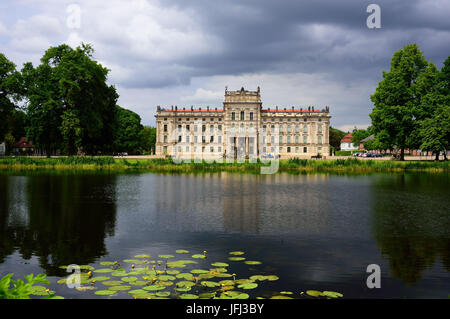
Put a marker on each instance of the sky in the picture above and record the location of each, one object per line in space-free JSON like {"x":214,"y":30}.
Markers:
{"x":185,"y":52}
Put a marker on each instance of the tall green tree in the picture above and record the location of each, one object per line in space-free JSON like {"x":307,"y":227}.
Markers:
{"x":360,"y":134}
{"x":128,"y":131}
{"x":336,"y":136}
{"x":149,"y":139}
{"x":396,"y":100}
{"x":9,"y":93}
{"x":71,"y":107}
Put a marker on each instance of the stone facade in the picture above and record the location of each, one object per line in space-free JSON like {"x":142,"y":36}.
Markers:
{"x":242,"y":129}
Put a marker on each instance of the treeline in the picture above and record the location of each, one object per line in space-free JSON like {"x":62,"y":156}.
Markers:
{"x":412,"y":105}
{"x":65,"y":105}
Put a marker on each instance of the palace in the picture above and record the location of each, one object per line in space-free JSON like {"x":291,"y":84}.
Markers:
{"x":242,"y":129}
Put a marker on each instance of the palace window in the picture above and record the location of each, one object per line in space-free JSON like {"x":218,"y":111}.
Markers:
{"x":242,"y":115}
{"x":165,"y":127}
{"x":211,"y":128}
{"x":297,"y":139}
{"x":179,"y":128}
{"x":195,"y":139}
{"x":281,"y":140}
{"x":220,"y":127}
{"x":203,"y":139}
{"x":281,"y":128}
{"x":219,"y":149}
{"x":211,"y":139}
{"x":297,"y":128}
{"x":305,"y":139}
{"x":233,"y":116}
{"x":305,"y":150}
{"x":187,"y":148}
{"x":272,"y":140}
{"x":251,"y":116}
{"x":289,"y":140}
{"x":219,"y":139}
{"x":296,"y":149}
{"x":305,"y":128}
{"x":187,"y":119}
{"x":203,"y":128}
{"x":320,"y":129}
{"x":289,"y":129}
{"x":179,"y":139}
{"x":319,"y":138}
{"x":211,"y":149}
{"x":289,"y":149}
{"x":165,"y":138}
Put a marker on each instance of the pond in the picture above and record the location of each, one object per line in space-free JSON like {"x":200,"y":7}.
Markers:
{"x":313,"y":231}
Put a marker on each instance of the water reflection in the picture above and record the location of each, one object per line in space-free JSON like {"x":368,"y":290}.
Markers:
{"x":411,"y":223}
{"x":62,"y":219}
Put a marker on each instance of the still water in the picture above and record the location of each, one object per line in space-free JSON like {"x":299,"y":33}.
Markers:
{"x":314,"y":231}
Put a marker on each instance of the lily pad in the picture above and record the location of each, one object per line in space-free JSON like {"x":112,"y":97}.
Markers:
{"x":154,"y":287}
{"x":173,"y":272}
{"x":166,"y":277}
{"x":248,"y":286}
{"x":185,"y":284}
{"x":166,"y":256}
{"x":183,"y":289}
{"x":236,"y":258}
{"x":105,"y":292}
{"x":112,"y":283}
{"x":138,"y":283}
{"x":281,"y":297}
{"x":237,"y":253}
{"x":253,"y":262}
{"x":119,"y":273}
{"x":107,"y":263}
{"x":332,"y":294}
{"x":101,"y":278}
{"x":128,"y":279}
{"x":220,"y":264}
{"x":314,"y":293}
{"x":199,"y":256}
{"x":258,"y":277}
{"x":163,"y":293}
{"x":185,"y":276}
{"x":119,"y":288}
{"x":182,"y":251}
{"x":142,"y":256}
{"x":210,"y":284}
{"x":272,"y":278}
{"x":199,"y":271}
{"x":286,"y":292}
{"x":103,"y":270}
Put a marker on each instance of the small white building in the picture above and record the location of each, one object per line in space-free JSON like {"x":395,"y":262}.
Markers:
{"x":347,"y":144}
{"x":2,"y":149}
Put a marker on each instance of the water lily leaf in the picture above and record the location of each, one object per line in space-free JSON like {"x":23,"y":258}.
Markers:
{"x":176,"y":264}
{"x":220,"y":264}
{"x":142,"y":256}
{"x":206,"y":276}
{"x":227,"y":282}
{"x":107,"y":263}
{"x":225,"y":288}
{"x":105,"y":292}
{"x":243,"y":281}
{"x":253,"y":262}
{"x":101,"y":278}
{"x":272,"y":278}
{"x":173,"y":272}
{"x":119,"y":274}
{"x":62,"y":281}
{"x":188,"y":261}
{"x":86,"y":267}
{"x":185,"y":284}
{"x":138,"y":283}
{"x":199,"y":271}
{"x":222,"y":275}
{"x":131,"y":261}
{"x":103,"y":270}
{"x":236,"y":258}
{"x":236,"y":253}
{"x":182,"y":251}
{"x":40,"y":291}
{"x":217,"y":270}
{"x":154,"y":287}
{"x":210,"y":284}
{"x":332,"y":294}
{"x":199,"y":256}
{"x":314,"y":293}
{"x":183,"y":289}
{"x":248,"y":286}
{"x":242,"y":296}
{"x":119,"y":288}
{"x":166,"y":277}
{"x":258,"y":277}
{"x":128,"y":279}
{"x":185,"y":276}
{"x":112,"y":283}
{"x":56,"y":297}
{"x":165,"y":283}
{"x":137,"y":291}
{"x":166,"y":256}
{"x":281,"y":297}
{"x":163,"y":293}
{"x":188,"y":296}
{"x":286,"y":292}
{"x":207,"y":295}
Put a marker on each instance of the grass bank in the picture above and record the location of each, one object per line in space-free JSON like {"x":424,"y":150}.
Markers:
{"x":167,"y":165}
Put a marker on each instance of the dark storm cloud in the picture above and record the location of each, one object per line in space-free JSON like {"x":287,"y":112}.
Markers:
{"x":276,"y":35}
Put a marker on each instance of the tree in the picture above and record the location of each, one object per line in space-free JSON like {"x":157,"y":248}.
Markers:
{"x":435,"y":131}
{"x":9,"y":93}
{"x":395,"y":99}
{"x":336,"y":137}
{"x":128,"y":131}
{"x":148,"y":143}
{"x":68,"y":91}
{"x":359,"y":135}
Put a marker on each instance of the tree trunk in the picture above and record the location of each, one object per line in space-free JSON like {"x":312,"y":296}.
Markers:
{"x":402,"y":154}
{"x":437,"y":156}
{"x":445,"y":156}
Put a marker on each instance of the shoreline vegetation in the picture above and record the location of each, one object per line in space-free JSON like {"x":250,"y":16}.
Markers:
{"x":112,"y":164}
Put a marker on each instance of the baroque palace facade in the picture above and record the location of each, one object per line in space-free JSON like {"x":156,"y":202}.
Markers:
{"x":242,"y":129}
